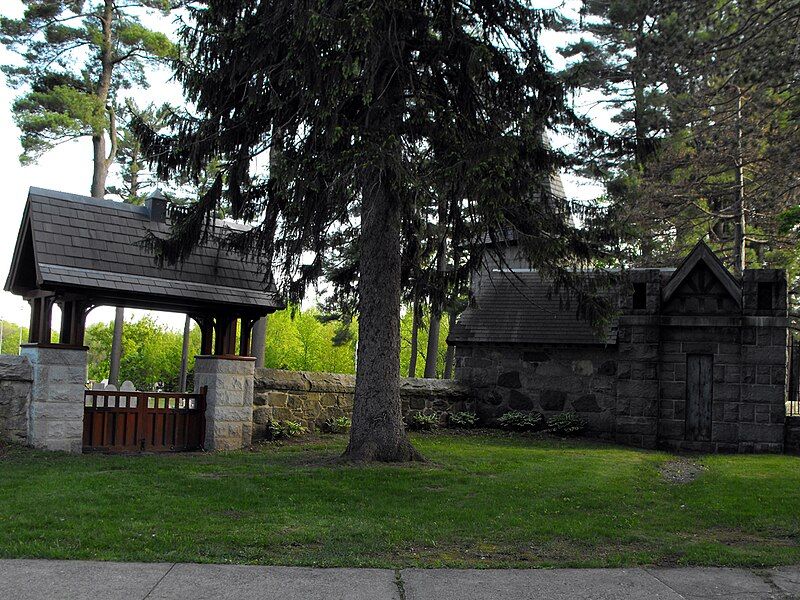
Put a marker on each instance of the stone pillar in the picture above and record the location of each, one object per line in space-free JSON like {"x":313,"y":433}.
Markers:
{"x":55,"y":414}
{"x":229,"y":399}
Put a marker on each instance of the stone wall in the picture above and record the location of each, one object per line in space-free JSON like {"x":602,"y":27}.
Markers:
{"x":312,"y":398}
{"x":548,"y":379}
{"x":791,"y":443}
{"x":16,"y":377}
{"x":634,"y":391}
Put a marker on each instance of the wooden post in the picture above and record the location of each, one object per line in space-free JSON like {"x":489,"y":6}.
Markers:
{"x":73,"y":321}
{"x":206,"y":324}
{"x":225,"y":335}
{"x":245,"y":336}
{"x":41,"y":318}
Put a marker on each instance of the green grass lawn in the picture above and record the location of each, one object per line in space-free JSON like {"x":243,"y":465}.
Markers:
{"x":483,"y":501}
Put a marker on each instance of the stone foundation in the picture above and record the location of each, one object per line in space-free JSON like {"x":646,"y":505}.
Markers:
{"x":311,"y":399}
{"x":16,"y":377}
{"x":229,"y":400}
{"x":55,"y":414}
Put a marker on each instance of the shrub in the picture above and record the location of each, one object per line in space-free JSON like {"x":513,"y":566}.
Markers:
{"x":517,"y":420}
{"x":338,"y":425}
{"x":566,"y":424}
{"x":462,"y":420}
{"x":420,"y":421}
{"x":278,"y":430}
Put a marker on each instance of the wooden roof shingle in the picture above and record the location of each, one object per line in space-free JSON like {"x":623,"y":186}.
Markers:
{"x":94,"y":246}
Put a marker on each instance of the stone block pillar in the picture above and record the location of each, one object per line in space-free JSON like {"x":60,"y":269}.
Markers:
{"x":229,"y":399}
{"x":55,"y":413}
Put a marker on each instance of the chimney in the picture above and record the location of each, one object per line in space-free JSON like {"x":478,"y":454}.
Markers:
{"x":156,"y":204}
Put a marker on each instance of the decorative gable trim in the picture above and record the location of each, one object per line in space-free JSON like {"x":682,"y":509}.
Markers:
{"x":25,"y":235}
{"x":702,"y":253}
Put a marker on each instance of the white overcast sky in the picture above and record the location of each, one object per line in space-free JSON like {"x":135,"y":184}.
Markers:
{"x":68,"y":168}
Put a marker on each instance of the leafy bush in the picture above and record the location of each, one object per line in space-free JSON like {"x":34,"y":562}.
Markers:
{"x":420,"y":421}
{"x":278,"y":430}
{"x":338,"y":425}
{"x":566,"y":424}
{"x":517,"y":420}
{"x":462,"y":420}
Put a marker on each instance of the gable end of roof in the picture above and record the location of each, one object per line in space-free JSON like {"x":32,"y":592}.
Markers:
{"x":702,"y":253}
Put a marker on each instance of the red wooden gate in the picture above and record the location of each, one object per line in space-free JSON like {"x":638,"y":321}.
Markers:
{"x":119,"y":421}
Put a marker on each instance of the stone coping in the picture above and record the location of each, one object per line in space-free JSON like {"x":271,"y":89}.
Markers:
{"x":309,"y":381}
{"x":225,"y":357}
{"x":51,"y":346}
{"x":15,"y":368}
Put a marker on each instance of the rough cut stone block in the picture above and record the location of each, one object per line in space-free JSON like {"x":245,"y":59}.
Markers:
{"x":586,"y":403}
{"x":509,"y":379}
{"x":55,"y":417}
{"x":763,"y":433}
{"x":552,"y":400}
{"x":229,"y":400}
{"x":15,"y":368}
{"x":520,"y":401}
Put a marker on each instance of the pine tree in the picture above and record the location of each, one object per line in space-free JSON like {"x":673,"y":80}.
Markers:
{"x":79,"y":55}
{"x":374,"y":101}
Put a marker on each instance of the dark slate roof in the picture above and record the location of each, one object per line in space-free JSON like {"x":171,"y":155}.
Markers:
{"x":515,"y":309}
{"x":93,"y":244}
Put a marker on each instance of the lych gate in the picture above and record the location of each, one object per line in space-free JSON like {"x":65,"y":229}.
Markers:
{"x":79,"y":253}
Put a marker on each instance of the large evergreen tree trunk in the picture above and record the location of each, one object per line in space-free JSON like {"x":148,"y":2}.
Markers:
{"x":378,"y":432}
{"x":432,"y":353}
{"x":412,"y":361}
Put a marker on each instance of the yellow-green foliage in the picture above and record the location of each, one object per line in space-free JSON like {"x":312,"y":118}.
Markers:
{"x":303,"y":343}
{"x":151,"y":353}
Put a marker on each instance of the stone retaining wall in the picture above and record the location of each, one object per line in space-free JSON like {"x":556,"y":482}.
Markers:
{"x":312,"y":398}
{"x":16,"y":377}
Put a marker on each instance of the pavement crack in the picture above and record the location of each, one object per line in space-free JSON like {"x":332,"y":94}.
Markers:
{"x":157,"y":583}
{"x":398,"y":581}
{"x":664,"y":583}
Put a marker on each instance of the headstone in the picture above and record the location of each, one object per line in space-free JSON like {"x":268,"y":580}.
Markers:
{"x":127,"y":386}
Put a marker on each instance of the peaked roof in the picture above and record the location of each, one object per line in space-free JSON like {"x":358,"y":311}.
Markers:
{"x":71,"y":243}
{"x":702,"y":253}
{"x":515,"y":309}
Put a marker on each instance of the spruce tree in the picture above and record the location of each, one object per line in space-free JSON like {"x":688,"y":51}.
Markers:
{"x":376,"y":102}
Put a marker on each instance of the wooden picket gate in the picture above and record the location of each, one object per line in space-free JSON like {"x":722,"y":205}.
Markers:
{"x":121,"y":421}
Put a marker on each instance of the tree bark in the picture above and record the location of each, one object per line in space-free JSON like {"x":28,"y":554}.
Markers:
{"x":739,"y":243}
{"x":412,"y":361}
{"x":103,"y":161}
{"x":434,"y":324}
{"x":378,"y":432}
{"x":260,"y":341}
{"x":99,"y":166}
{"x":187,"y":330}
{"x":116,"y":346}
{"x":451,"y":350}
{"x":432,"y":352}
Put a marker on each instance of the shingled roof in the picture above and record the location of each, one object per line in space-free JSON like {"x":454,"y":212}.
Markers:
{"x":71,"y":243}
{"x":514,"y":308}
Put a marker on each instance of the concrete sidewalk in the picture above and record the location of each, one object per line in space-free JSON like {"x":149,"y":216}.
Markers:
{"x":73,"y":580}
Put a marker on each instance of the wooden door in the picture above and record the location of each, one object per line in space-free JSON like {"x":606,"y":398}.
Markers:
{"x":699,"y":387}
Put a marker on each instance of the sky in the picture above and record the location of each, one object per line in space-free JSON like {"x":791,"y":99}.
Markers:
{"x":68,"y":168}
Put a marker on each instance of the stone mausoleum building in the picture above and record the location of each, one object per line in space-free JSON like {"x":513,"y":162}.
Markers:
{"x":696,"y":358}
